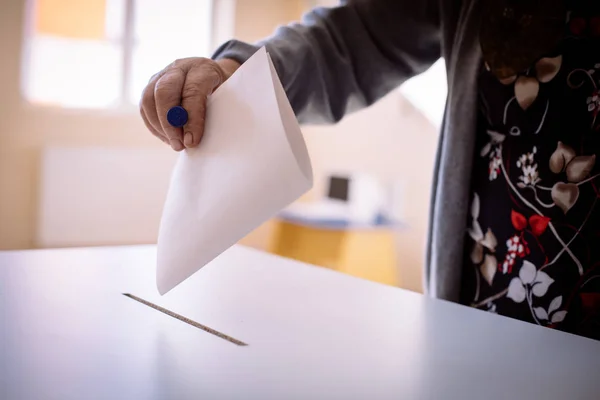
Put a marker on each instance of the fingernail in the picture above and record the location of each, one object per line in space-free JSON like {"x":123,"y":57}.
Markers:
{"x":176,"y":144}
{"x":188,"y":139}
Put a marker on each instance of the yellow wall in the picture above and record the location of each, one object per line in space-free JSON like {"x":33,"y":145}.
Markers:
{"x":256,"y":20}
{"x":71,"y":18}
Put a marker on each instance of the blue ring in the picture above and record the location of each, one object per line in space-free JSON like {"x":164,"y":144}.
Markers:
{"x":177,"y":116}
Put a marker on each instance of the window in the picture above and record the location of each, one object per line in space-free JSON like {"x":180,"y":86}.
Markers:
{"x":428,"y":92}
{"x":101,"y":53}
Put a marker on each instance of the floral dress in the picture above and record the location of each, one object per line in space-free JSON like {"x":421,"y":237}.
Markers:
{"x":533,"y":248}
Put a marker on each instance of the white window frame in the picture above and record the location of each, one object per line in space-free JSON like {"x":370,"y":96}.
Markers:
{"x":222,"y":29}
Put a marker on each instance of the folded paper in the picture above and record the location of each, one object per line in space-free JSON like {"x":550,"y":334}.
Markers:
{"x":252,"y":162}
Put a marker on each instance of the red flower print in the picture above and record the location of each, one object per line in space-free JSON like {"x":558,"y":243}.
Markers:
{"x":538,"y":224}
{"x":518,"y":220}
{"x":517,"y":246}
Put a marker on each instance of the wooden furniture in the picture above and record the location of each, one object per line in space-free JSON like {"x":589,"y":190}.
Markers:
{"x":67,"y":332}
{"x":366,"y":252}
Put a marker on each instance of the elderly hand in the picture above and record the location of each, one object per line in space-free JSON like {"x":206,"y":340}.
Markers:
{"x":187,"y":82}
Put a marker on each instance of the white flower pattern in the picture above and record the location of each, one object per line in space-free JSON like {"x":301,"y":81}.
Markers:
{"x":495,"y":163}
{"x":530,"y":279}
{"x":529,"y":169}
{"x":540,"y":193}
{"x":593,"y":103}
{"x":491,"y":149}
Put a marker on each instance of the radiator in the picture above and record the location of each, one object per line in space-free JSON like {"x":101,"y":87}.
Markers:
{"x":92,"y":196}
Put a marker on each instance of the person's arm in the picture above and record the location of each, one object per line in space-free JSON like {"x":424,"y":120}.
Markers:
{"x":341,"y":59}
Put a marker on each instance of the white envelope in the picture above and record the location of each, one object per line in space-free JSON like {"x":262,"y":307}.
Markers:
{"x":252,"y":162}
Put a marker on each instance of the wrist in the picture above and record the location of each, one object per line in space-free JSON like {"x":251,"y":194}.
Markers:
{"x":228,"y":66}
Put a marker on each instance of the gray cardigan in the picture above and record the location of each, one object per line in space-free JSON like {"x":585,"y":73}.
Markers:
{"x":341,"y":59}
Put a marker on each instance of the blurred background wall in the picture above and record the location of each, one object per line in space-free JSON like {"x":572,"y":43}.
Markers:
{"x":78,"y":168}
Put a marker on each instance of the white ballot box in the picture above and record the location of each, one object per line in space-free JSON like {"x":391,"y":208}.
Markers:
{"x":255,"y":326}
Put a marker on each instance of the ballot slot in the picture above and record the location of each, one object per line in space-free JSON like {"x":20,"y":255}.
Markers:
{"x":185,"y":320}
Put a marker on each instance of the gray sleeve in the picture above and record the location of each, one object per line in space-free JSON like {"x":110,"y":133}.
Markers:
{"x":338,"y":60}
